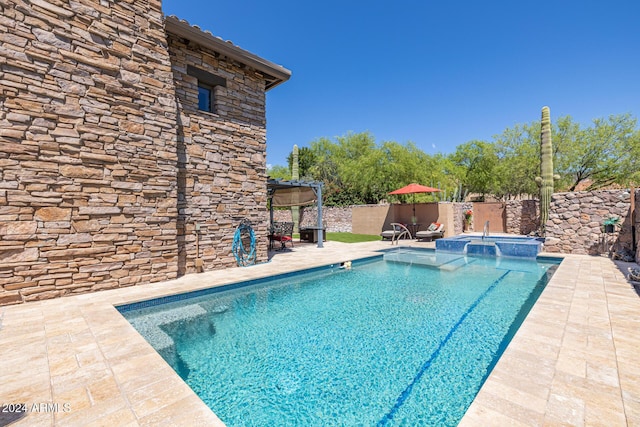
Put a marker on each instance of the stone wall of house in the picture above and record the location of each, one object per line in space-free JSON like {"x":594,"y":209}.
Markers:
{"x":87,"y":148}
{"x":104,"y":170}
{"x":336,"y":219}
{"x":576,"y":219}
{"x":222,"y":169}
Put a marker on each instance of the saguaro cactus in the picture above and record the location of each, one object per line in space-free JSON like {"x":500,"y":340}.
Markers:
{"x":295,"y":175}
{"x":545,"y":180}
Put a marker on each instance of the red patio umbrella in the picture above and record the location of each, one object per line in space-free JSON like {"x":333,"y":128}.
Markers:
{"x":413,"y":189}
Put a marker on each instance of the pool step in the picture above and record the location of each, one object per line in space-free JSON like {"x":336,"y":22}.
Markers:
{"x":441,"y":261}
{"x":159,"y":329}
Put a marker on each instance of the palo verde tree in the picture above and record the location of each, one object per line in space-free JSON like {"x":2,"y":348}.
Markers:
{"x":477,"y":162}
{"x":517,"y":150}
{"x":600,"y":155}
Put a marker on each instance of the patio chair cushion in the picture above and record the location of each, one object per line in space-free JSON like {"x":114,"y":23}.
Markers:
{"x":434,"y":226}
{"x":435,"y":230}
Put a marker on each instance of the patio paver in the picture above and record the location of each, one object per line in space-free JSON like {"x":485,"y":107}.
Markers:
{"x":573,"y":361}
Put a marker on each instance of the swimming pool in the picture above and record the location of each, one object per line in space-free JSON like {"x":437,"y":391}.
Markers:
{"x":395,"y":341}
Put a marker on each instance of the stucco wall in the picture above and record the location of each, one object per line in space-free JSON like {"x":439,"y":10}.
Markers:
{"x":371,"y":219}
{"x":105,"y":164}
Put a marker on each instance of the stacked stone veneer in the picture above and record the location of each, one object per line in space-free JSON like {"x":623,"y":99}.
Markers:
{"x":636,"y":223}
{"x":105,"y":164}
{"x":336,"y":219}
{"x":523,"y":216}
{"x":576,"y":222}
{"x":221,"y":157}
{"x":459,"y":208}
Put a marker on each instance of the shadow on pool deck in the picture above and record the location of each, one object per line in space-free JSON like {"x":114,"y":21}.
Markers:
{"x":624,"y":269}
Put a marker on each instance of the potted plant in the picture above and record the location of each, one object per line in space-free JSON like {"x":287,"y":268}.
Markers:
{"x":610,"y":224}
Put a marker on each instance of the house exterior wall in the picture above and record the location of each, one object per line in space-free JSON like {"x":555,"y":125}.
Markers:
{"x":105,"y":165}
{"x":222,"y":172}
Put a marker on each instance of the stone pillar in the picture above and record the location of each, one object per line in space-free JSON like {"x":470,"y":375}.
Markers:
{"x":636,"y":223}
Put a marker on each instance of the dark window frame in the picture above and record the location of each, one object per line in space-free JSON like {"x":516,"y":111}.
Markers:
{"x":207,"y":81}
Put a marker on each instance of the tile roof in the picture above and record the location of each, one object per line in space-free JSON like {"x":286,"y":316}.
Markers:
{"x":274,"y":74}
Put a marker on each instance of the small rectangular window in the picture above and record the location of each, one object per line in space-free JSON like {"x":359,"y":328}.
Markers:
{"x":205,"y":98}
{"x":207,"y":83}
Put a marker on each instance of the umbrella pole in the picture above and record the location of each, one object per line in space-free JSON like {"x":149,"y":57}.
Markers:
{"x":413,"y":218}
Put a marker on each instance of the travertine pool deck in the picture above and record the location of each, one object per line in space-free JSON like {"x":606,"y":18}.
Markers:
{"x":574,"y":361}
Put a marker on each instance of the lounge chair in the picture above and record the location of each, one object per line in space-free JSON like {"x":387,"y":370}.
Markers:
{"x":434,"y":231}
{"x":398,"y":231}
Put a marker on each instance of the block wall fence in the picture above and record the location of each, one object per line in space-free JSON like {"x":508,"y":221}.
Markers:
{"x":574,"y":227}
{"x":105,"y":162}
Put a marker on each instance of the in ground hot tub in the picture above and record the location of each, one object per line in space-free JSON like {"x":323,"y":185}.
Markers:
{"x":512,"y":246}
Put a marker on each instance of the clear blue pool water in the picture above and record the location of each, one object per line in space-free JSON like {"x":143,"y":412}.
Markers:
{"x":406,"y":341}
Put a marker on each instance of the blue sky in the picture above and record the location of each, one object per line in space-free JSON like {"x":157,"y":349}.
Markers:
{"x":436,"y":73}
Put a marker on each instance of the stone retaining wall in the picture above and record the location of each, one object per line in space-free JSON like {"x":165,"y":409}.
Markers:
{"x":336,"y":219}
{"x":575,"y":222}
{"x":459,"y":208}
{"x":523,"y":216}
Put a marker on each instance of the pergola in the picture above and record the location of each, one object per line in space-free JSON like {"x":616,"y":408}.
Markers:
{"x":284,"y":193}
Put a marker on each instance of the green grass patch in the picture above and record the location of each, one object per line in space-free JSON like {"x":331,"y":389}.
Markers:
{"x":351,"y":238}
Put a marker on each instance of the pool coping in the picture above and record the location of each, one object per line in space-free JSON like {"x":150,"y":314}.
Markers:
{"x":571,"y":362}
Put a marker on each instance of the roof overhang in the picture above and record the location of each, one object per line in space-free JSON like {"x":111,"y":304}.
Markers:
{"x":273,"y":74}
